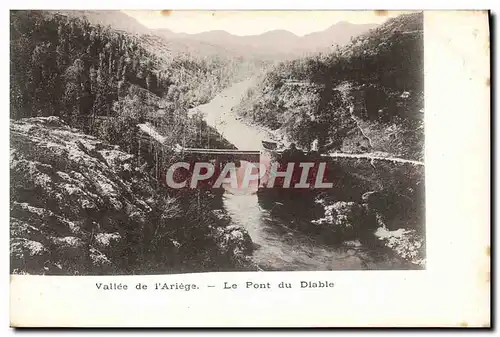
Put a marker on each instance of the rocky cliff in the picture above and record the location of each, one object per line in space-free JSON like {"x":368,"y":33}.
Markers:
{"x":82,"y":206}
{"x":366,"y":96}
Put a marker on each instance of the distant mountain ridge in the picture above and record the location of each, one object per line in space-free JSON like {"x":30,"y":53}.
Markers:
{"x":278,"y":41}
{"x":116,"y":19}
{"x":274,"y":44}
{"x":366,"y":96}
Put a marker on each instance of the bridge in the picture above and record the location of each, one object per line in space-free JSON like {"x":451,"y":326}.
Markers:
{"x":149,"y":132}
{"x":221,"y":155}
{"x":220,"y":152}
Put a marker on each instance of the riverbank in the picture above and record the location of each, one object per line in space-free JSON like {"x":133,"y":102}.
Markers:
{"x":288,"y":241}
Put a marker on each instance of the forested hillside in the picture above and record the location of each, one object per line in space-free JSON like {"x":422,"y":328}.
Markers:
{"x":87,"y":204}
{"x":366,"y":96}
{"x":99,"y":103}
{"x":65,"y":66}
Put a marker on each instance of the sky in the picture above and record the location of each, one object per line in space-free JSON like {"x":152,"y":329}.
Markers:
{"x":253,"y":22}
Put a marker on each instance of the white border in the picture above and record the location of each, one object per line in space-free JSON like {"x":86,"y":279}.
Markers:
{"x":462,"y":127}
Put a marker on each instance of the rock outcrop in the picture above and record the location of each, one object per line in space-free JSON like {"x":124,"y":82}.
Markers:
{"x":346,"y":220}
{"x":75,"y":203}
{"x":406,"y":243}
{"x":234,"y":241}
{"x":380,"y":220}
{"x":82,"y":206}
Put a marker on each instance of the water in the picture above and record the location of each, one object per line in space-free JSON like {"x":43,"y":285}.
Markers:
{"x":220,"y":114}
{"x":280,"y":247}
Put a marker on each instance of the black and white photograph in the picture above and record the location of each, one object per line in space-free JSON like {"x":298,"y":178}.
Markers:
{"x":142,"y":144}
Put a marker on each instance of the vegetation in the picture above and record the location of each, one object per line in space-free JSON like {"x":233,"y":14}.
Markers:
{"x":366,"y":96}
{"x":79,"y":205}
{"x":370,"y":90}
{"x":105,"y":83}
{"x":64,"y":66}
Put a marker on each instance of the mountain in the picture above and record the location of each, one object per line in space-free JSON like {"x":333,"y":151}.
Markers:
{"x":276,"y":43}
{"x":366,"y":96}
{"x":339,"y":33}
{"x":116,"y":19}
{"x":164,"y":43}
{"x":78,"y":92}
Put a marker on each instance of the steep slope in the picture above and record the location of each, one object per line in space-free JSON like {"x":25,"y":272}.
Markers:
{"x":338,"y":34}
{"x":161,"y":42}
{"x":82,"y":206}
{"x":89,"y":74}
{"x":116,"y":19}
{"x":366,"y":96}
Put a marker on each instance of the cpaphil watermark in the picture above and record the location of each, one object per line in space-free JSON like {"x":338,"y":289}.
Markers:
{"x":298,"y":175}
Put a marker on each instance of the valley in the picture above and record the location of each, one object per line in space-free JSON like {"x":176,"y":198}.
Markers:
{"x":99,"y":104}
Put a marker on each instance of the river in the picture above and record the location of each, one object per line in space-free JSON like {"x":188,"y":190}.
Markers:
{"x":278,"y":245}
